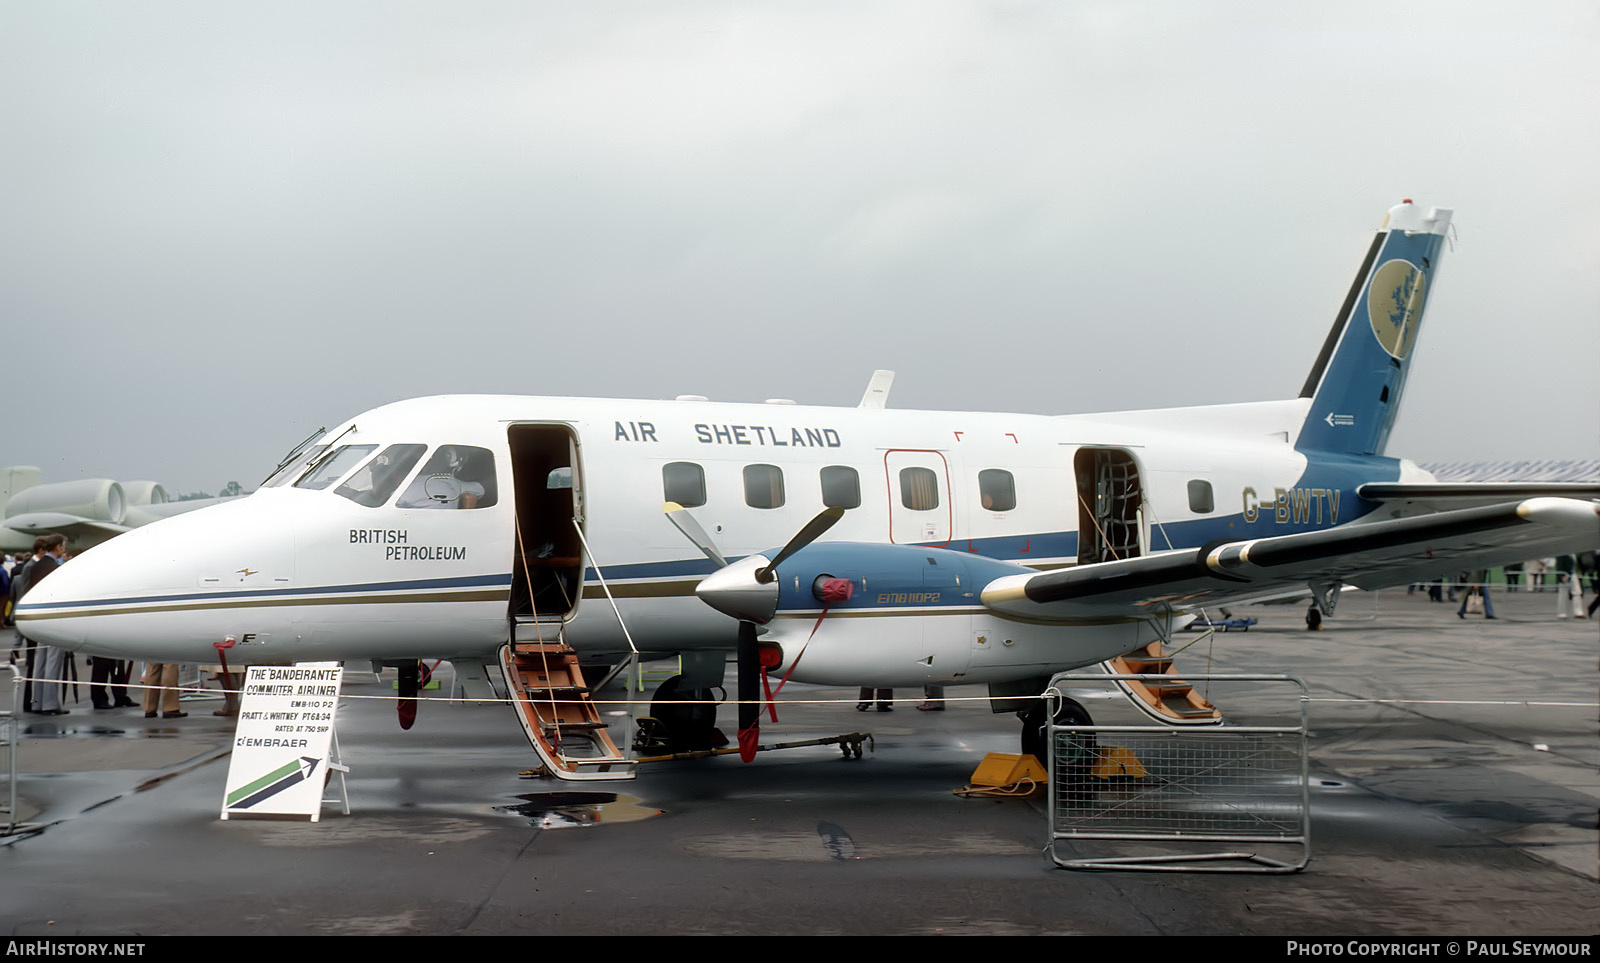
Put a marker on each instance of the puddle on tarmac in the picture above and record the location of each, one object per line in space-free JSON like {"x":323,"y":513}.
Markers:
{"x":563,"y":810}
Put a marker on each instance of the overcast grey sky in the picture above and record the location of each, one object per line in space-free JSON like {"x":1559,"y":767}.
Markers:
{"x":225,"y":224}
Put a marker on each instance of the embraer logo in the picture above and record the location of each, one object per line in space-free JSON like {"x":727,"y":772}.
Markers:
{"x":247,"y":572}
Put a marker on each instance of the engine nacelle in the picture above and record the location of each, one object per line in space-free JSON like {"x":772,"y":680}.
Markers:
{"x":144,"y":493}
{"x":915,"y":616}
{"x":98,"y":499}
{"x":888,"y":576}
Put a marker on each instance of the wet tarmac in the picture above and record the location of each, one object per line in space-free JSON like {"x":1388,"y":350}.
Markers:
{"x":1462,"y":802}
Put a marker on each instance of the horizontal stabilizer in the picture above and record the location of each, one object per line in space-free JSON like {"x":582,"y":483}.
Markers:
{"x":1415,"y":499}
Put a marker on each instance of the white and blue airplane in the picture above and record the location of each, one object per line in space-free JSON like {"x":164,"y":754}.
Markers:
{"x":963,"y":547}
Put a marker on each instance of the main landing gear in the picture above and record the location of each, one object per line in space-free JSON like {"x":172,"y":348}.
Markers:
{"x":1036,"y":738}
{"x":681,"y":720}
{"x":1080,"y":751}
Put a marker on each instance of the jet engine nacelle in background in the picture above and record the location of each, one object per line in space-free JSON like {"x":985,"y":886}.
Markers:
{"x":95,"y":499}
{"x":87,"y":511}
{"x":144,"y":493}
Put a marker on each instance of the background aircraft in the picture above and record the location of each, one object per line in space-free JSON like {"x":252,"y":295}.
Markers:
{"x":87,"y":511}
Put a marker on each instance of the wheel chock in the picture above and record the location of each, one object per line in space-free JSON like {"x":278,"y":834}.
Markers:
{"x":1117,"y":762}
{"x":1006,"y":774}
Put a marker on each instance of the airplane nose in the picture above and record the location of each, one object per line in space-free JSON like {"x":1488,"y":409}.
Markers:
{"x":44,"y":616}
{"x":157,"y":592}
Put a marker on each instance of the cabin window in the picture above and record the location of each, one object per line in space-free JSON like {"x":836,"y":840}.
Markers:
{"x":763,"y":486}
{"x":841,"y":487}
{"x":374,"y":482}
{"x":919,"y":489}
{"x":1200,"y":500}
{"x":333,"y":466}
{"x":997,"y":490}
{"x":559,"y":479}
{"x":457,"y":476}
{"x":684,"y":482}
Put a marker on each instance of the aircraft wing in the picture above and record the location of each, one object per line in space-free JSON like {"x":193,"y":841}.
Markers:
{"x":1371,"y":555}
{"x":1401,"y":500}
{"x":72,"y":526}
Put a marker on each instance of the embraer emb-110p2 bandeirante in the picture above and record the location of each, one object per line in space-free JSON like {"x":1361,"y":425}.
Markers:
{"x":961,"y":547}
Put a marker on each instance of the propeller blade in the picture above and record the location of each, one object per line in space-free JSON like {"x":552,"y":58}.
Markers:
{"x":749,"y":691}
{"x":679,"y":516}
{"x":813,"y":530}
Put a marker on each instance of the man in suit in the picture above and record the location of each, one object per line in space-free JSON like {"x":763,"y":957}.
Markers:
{"x":50,"y":661}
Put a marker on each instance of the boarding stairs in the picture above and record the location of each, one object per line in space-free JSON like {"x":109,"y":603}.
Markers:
{"x":1161,"y":693}
{"x":557,"y":714}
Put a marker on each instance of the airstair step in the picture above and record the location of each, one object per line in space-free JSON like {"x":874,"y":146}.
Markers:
{"x":1186,"y":710}
{"x":1162,"y":693}
{"x":566,"y":725}
{"x":560,"y":720}
{"x":1146,"y":665}
{"x":1165,"y":687}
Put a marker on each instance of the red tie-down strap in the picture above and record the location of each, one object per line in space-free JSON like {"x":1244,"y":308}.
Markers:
{"x":222,"y":657}
{"x":834,"y":590}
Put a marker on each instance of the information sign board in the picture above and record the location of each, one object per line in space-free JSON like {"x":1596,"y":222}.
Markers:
{"x":281,"y":744}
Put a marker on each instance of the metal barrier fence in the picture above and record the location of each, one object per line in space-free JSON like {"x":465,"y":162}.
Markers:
{"x":8,"y":745}
{"x":1231,"y":796}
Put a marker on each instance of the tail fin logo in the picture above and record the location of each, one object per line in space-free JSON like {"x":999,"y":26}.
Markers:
{"x":1394,"y":305}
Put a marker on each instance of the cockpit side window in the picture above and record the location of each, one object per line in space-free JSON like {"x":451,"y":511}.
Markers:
{"x":457,"y":476}
{"x":333,"y":466}
{"x":374,"y":482}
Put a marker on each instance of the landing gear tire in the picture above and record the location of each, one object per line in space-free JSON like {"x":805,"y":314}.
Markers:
{"x":688,"y":716}
{"x":1313,"y":619}
{"x":1074,"y":769}
{"x":408,"y":685}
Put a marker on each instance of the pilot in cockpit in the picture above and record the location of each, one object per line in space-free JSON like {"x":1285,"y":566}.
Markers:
{"x":457,"y":476}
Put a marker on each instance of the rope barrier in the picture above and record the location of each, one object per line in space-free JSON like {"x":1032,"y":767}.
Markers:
{"x":853,"y":700}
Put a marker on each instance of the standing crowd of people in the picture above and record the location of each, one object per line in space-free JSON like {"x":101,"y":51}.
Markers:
{"x":48,"y":667}
{"x":1569,"y":571}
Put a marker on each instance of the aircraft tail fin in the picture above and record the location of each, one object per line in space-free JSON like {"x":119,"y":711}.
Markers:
{"x":14,"y":479}
{"x":1356,"y":383}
